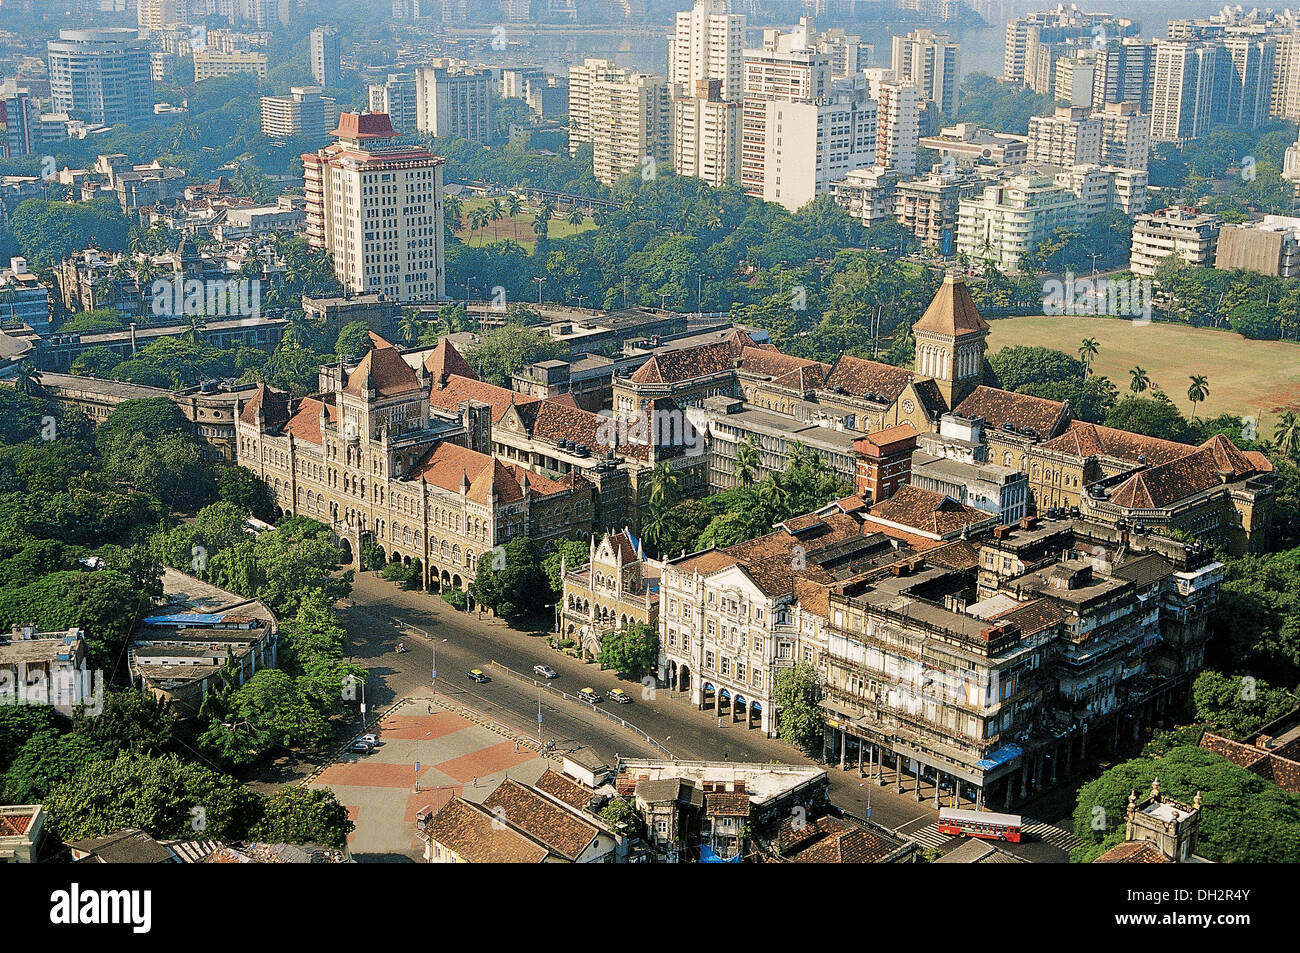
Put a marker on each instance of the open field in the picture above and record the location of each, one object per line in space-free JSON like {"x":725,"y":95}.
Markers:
{"x":519,"y":228}
{"x":1249,"y":378}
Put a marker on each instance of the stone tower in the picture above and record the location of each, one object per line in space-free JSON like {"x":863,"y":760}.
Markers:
{"x":951,"y":338}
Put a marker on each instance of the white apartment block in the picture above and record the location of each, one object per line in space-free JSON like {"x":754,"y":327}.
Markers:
{"x":929,"y":61}
{"x":304,"y":112}
{"x":868,"y":195}
{"x":376,"y":206}
{"x":1182,"y":90}
{"x":1068,"y":137}
{"x":454,"y":101}
{"x":209,"y":64}
{"x":1073,"y":81}
{"x":397,"y":97}
{"x":1191,"y":235}
{"x":1125,"y":135}
{"x":1008,"y":220}
{"x":159,"y":15}
{"x":898,"y":122}
{"x":707,"y":43}
{"x":625,"y":115}
{"x":326,"y":56}
{"x":706,"y":135}
{"x":101,"y":76}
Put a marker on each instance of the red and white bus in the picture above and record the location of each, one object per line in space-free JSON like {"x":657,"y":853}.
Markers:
{"x":979,"y":824}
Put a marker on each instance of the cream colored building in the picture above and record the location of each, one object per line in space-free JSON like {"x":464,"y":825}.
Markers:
{"x":1008,"y":220}
{"x":706,"y":43}
{"x":210,"y":64}
{"x":1068,"y":137}
{"x":706,"y":135}
{"x":625,"y":115}
{"x":376,"y":206}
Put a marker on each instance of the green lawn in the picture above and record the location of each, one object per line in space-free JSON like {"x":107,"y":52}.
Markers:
{"x":519,"y":228}
{"x":1249,"y":378}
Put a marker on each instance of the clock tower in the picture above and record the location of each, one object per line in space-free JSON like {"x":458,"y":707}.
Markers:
{"x":951,"y":339}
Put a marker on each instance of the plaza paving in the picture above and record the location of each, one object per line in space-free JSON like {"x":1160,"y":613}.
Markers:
{"x":457,"y":755}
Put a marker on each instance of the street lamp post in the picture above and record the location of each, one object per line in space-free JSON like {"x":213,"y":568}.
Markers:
{"x":540,"y":282}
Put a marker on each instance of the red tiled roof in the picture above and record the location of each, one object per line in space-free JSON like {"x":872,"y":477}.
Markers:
{"x":952,"y":312}
{"x":671,"y":367}
{"x":305,"y":423}
{"x":475,"y":835}
{"x":560,"y":830}
{"x":364,"y":126}
{"x":449,"y":465}
{"x":274,"y":404}
{"x":1194,"y":473}
{"x":887,"y":440}
{"x":1022,"y":411}
{"x":1133,"y":852}
{"x":15,"y":825}
{"x":773,"y":364}
{"x":385,"y":370}
{"x":928,"y":512}
{"x":444,"y":361}
{"x":859,"y":377}
{"x":1083,"y":439}
{"x":447,"y":396}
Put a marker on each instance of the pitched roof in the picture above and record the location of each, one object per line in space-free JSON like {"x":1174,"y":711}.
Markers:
{"x":952,"y":311}
{"x":671,"y":367}
{"x":1021,"y":411}
{"x":384,"y":369}
{"x":449,"y":465}
{"x":928,"y":512}
{"x":797,"y":372}
{"x":448,"y":395}
{"x":273,"y":403}
{"x":15,"y":825}
{"x":856,"y":846}
{"x":364,"y":126}
{"x":1194,"y":473}
{"x":378,"y":341}
{"x":127,"y":846}
{"x":477,"y":837}
{"x":444,"y":361}
{"x":560,"y":830}
{"x":886,"y":439}
{"x":564,"y":789}
{"x":1133,"y":852}
{"x":860,"y":377}
{"x":1083,"y":439}
{"x":305,"y":422}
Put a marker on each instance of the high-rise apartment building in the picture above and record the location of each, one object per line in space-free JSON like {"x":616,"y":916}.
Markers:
{"x":397,"y":98}
{"x":706,"y":135}
{"x":304,"y":112}
{"x":326,"y":56}
{"x":158,"y":15}
{"x":454,"y":101}
{"x":1063,"y":28}
{"x":1200,"y":84}
{"x":707,"y":43}
{"x":1122,"y":72}
{"x":376,"y":206}
{"x":1125,"y":135}
{"x":929,"y":61}
{"x":1067,"y":137}
{"x":101,"y":75}
{"x":626,"y":116}
{"x":898,"y":134}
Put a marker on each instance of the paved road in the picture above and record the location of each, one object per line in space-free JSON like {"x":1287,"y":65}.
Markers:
{"x":379,"y":615}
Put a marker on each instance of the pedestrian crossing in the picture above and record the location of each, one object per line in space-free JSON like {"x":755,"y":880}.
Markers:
{"x":930,"y":836}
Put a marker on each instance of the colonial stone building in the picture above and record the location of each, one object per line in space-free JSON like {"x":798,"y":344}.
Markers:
{"x":365,"y":456}
{"x":618,"y":587}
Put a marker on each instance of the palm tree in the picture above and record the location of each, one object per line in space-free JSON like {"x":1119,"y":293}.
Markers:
{"x":495,"y":215}
{"x":513,"y":208}
{"x":1287,"y":433}
{"x":773,"y":494}
{"x":663,"y":486}
{"x":1087,"y":351}
{"x":541,"y":225}
{"x":478,"y":220}
{"x":575,"y":217}
{"x":1138,"y":380}
{"x":409,"y":326}
{"x":451,"y":211}
{"x":27,"y":380}
{"x":1199,"y":390}
{"x":599,"y":217}
{"x":748,"y":460}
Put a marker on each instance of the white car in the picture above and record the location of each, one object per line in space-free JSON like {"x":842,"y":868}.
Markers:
{"x":545,"y":671}
{"x":371,"y":740}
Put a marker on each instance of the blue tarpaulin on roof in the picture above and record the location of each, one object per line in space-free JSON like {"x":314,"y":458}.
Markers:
{"x":185,"y":618}
{"x":707,"y":856}
{"x":1000,"y":756}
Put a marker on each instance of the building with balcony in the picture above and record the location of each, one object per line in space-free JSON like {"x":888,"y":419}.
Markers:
{"x":1190,"y":235}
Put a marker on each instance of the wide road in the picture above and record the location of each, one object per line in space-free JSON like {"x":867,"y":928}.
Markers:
{"x":379,"y":615}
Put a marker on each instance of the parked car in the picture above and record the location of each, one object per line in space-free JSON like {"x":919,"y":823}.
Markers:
{"x":360,"y":747}
{"x":371,"y":739}
{"x":589,"y":695}
{"x":477,"y":675}
{"x":618,"y":695}
{"x":545,"y":671}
